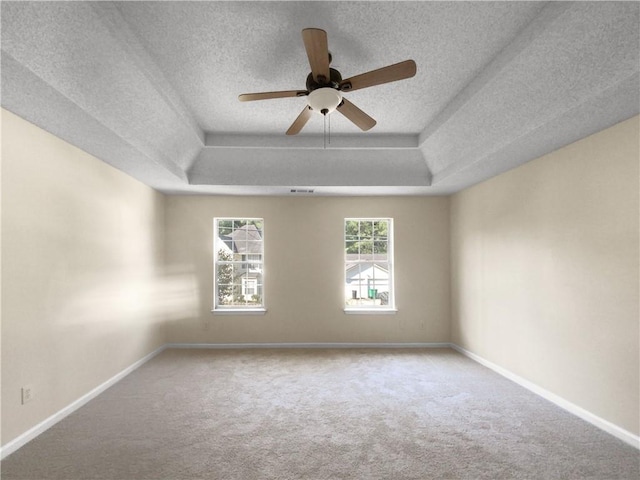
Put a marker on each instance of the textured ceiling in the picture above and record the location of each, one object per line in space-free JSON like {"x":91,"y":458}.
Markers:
{"x":152,"y":87}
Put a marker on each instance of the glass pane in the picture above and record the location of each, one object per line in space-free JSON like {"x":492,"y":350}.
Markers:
{"x":238,"y":298}
{"x":253,"y":234}
{"x":380,"y":250}
{"x":381,"y":229}
{"x":366,"y":247}
{"x":366,"y":229}
{"x":223,"y":253}
{"x":253,"y":247}
{"x":225,"y":284}
{"x":224,"y":227}
{"x":351,"y":230}
{"x":351,"y":247}
{"x":257,"y":257}
{"x":224,"y":280}
{"x":256,"y":296}
{"x":254,"y":262}
{"x":353,"y":285}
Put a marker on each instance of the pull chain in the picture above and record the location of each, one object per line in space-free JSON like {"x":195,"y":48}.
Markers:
{"x":329,"y":129}
{"x":324,"y":112}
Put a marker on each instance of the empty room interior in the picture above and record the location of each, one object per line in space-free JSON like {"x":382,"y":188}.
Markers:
{"x":320,"y":240}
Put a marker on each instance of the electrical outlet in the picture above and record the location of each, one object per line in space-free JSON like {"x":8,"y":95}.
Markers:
{"x":27,"y":394}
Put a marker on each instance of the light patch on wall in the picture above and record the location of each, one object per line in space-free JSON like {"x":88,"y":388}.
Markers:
{"x":177,"y":296}
{"x":114,"y":299}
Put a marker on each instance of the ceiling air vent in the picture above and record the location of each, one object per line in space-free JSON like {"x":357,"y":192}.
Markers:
{"x":302,"y":190}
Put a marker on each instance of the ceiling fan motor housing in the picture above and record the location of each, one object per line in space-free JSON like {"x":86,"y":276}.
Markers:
{"x":334,"y":81}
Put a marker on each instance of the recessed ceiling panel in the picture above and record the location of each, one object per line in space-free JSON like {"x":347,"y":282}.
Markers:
{"x":152,"y":88}
{"x":214,"y":51}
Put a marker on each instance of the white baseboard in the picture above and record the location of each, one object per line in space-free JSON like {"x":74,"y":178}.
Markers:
{"x":224,"y":346}
{"x":601,"y":423}
{"x":32,"y":433}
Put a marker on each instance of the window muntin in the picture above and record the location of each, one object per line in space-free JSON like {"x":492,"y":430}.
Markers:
{"x":368,"y":263}
{"x":238,"y":263}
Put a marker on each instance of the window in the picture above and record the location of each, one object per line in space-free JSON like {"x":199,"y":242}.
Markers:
{"x":368,"y":264}
{"x":238,"y":264}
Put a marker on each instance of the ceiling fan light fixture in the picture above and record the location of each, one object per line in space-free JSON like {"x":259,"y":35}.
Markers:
{"x":324,"y":100}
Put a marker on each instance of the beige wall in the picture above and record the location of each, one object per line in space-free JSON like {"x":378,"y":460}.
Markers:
{"x":81,"y":258}
{"x":545,"y":272}
{"x":304,"y":269}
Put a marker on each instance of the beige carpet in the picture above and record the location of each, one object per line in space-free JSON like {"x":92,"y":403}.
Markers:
{"x":320,"y":414}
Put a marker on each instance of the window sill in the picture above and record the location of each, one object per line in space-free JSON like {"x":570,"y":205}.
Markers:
{"x":370,"y":311}
{"x":239,"y":311}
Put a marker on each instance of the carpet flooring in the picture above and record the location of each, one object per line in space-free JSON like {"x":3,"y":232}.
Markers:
{"x":320,"y":414}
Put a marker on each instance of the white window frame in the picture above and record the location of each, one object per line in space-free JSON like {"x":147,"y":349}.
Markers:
{"x":245,"y":309}
{"x":372,"y":308}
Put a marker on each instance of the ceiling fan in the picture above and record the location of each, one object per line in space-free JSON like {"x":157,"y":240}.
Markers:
{"x":325,"y":85}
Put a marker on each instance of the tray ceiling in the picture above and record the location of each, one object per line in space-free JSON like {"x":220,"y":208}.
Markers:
{"x":151,"y":88}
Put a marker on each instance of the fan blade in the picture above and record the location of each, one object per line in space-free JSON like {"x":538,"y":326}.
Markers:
{"x":300,"y":122}
{"x":249,"y":97}
{"x":357,"y":116}
{"x":392,"y":73}
{"x":315,"y":42}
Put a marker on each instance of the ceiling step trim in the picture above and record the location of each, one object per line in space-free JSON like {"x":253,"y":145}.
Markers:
{"x":360,"y":142}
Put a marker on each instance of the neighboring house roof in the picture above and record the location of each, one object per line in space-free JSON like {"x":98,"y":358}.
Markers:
{"x":244,"y":240}
{"x":361,"y":271}
{"x":367,"y":257}
{"x":364,"y":259}
{"x":224,"y":243}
